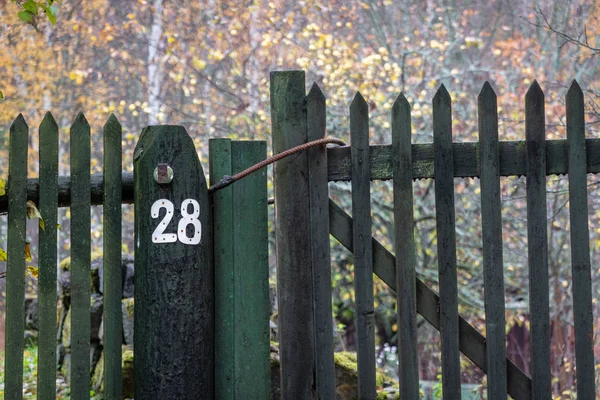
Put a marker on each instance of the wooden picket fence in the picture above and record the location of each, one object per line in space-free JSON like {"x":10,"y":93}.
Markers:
{"x":232,"y":339}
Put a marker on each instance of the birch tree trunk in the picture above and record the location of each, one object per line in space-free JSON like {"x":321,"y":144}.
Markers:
{"x":154,"y":63}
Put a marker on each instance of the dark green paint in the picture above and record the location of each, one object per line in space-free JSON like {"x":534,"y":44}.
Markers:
{"x":48,"y":207}
{"x":580,"y":245}
{"x":223,"y":241}
{"x":472,"y":343}
{"x":292,"y":211}
{"x":241,"y":272}
{"x":319,"y":234}
{"x":537,"y":243}
{"x":80,"y":259}
{"x":493,"y":267}
{"x":15,"y":266}
{"x":408,"y":360}
{"x":174,"y":305}
{"x":112,"y":324}
{"x":363,"y":251}
{"x":446,"y":243}
{"x":466,"y":160}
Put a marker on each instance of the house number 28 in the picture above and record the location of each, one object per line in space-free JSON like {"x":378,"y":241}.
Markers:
{"x":158,"y":236}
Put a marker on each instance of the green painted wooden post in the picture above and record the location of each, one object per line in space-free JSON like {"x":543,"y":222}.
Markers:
{"x":112,"y":324}
{"x":493,"y":267}
{"x":408,"y":365}
{"x":15,"y":266}
{"x":446,"y":240}
{"x":174,"y":306}
{"x":80,"y":259}
{"x":537,"y":243}
{"x":48,"y":206}
{"x":292,"y":211}
{"x":241,"y":265}
{"x":363,"y":250}
{"x":580,"y":245}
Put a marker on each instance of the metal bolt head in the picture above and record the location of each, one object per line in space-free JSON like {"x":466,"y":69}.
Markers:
{"x":163,"y":174}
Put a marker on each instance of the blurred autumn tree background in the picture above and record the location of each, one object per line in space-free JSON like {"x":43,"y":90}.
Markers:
{"x":205,"y":65}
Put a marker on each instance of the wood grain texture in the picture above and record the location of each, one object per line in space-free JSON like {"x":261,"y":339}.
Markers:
{"x":15,"y":265}
{"x":112,"y":290}
{"x":292,"y":213}
{"x":319,"y":242}
{"x":408,"y":365}
{"x":446,"y":243}
{"x":80,"y":259}
{"x":224,"y":267}
{"x":472,"y":343}
{"x":537,"y":243}
{"x":465,"y":161}
{"x":493,"y":267}
{"x":174,"y":308}
{"x":46,"y":382}
{"x":363,"y":251}
{"x":580,"y":245}
{"x":251,"y":278}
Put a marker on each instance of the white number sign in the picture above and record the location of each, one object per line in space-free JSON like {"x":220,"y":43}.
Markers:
{"x":187,"y":218}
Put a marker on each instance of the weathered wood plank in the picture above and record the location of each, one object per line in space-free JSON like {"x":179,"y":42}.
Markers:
{"x":472,"y":343}
{"x":493,"y":267}
{"x":46,"y":382}
{"x":319,"y":238}
{"x":363,"y":251}
{"x":174,"y":283}
{"x":466,"y":164}
{"x":537,"y":243}
{"x":112,"y":221}
{"x":580,"y":245}
{"x":15,"y":265}
{"x":446,"y":243}
{"x":80,"y":259}
{"x":223,"y":244}
{"x":251,"y":278}
{"x":512,"y":163}
{"x":292,"y":213}
{"x":408,"y":365}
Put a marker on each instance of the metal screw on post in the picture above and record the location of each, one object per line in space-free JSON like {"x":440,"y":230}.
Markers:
{"x":163,"y":174}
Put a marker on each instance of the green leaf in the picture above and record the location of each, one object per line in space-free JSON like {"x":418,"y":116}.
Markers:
{"x":31,"y":6}
{"x":1,"y":95}
{"x":25,"y":16}
{"x":53,"y":10}
{"x":3,"y":256}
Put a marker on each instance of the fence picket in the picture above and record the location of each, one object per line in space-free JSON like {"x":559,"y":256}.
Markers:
{"x":580,"y":245}
{"x":48,"y":206}
{"x":493,"y":267}
{"x":294,"y":271}
{"x":408,"y":367}
{"x":112,"y":323}
{"x":446,"y":240}
{"x":363,"y":252}
{"x":80,"y":259}
{"x":15,"y":265}
{"x":319,"y":234}
{"x":222,"y":203}
{"x":537,"y":243}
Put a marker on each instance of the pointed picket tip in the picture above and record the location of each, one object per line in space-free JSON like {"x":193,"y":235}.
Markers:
{"x":401,"y":103}
{"x":442,"y":95}
{"x":112,"y":121}
{"x":534,"y":90}
{"x":575,"y":91}
{"x":80,"y":120}
{"x":19,"y":122}
{"x":487,"y":91}
{"x":358,"y":101}
{"x":316,"y":92}
{"x":48,"y":121}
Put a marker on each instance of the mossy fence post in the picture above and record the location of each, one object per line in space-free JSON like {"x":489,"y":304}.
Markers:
{"x":174,"y":306}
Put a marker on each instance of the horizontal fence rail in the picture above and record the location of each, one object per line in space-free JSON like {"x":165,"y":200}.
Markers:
{"x":339,"y":164}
